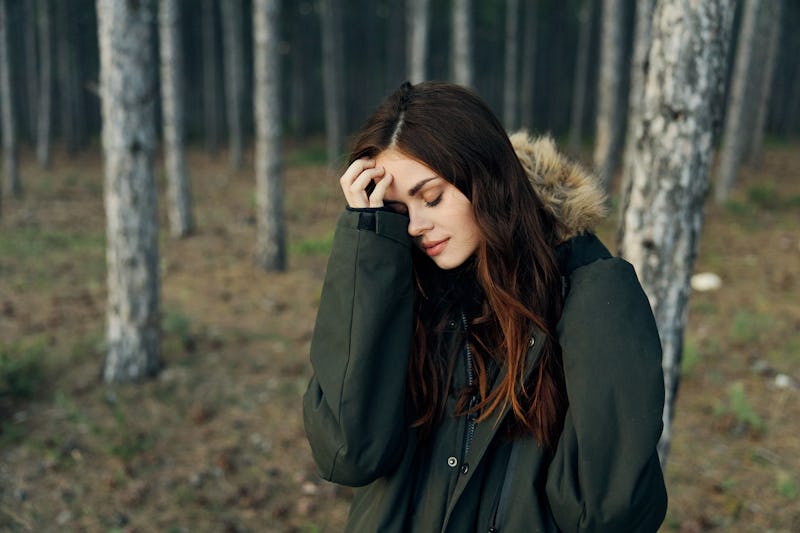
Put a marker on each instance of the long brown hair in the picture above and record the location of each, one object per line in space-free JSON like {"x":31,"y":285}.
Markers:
{"x":452,"y":131}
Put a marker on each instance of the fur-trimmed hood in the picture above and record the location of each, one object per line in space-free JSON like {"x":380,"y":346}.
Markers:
{"x":569,"y":192}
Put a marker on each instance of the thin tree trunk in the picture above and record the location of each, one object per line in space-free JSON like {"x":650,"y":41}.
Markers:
{"x":332,"y":75}
{"x":528,"y":65}
{"x":733,"y":141}
{"x":510,"y":86}
{"x":394,"y":69}
{"x":772,"y":24}
{"x":298,"y":112}
{"x":639,"y":66}
{"x":417,"y":23}
{"x":234,"y":76}
{"x":663,"y":217}
{"x":608,"y":130}
{"x":461,"y":46}
{"x":11,"y":166}
{"x":585,"y":16}
{"x":31,"y":68}
{"x":210,"y":69}
{"x":45,"y":87}
{"x":271,"y":245}
{"x":65,"y":76}
{"x":179,"y":203}
{"x":127,"y":89}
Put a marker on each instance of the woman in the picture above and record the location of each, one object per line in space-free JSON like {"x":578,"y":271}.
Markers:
{"x":481,"y":362}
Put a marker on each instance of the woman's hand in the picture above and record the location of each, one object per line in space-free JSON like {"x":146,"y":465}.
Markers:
{"x":356,"y":182}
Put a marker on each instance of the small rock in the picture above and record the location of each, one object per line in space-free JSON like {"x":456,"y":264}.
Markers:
{"x":706,"y":281}
{"x":20,"y":495}
{"x":782,"y":381}
{"x":196,"y":479}
{"x":63,"y":517}
{"x":309,"y":488}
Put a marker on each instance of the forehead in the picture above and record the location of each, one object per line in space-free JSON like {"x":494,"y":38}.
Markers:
{"x":407,"y":172}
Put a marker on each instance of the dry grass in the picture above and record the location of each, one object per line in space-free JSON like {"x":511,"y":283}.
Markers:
{"x":216,"y":443}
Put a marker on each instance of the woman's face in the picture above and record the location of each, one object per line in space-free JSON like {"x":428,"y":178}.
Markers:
{"x":441,"y":219}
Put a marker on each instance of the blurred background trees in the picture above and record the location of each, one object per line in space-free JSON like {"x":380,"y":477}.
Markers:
{"x":371,"y":47}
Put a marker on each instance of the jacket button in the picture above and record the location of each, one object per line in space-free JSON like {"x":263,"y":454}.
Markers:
{"x":451,"y":324}
{"x":531,"y":342}
{"x":452,"y":462}
{"x":465,"y":468}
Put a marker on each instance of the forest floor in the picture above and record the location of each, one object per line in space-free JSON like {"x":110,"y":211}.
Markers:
{"x":216,"y":441}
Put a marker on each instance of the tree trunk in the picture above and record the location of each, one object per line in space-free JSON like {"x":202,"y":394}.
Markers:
{"x":773,"y":12}
{"x":528,"y":66}
{"x":271,"y":245}
{"x":65,"y":76}
{"x":11,"y":166}
{"x":663,"y":215}
{"x":461,"y":47}
{"x":510,"y":86}
{"x":45,"y":86}
{"x":733,"y":141}
{"x":31,"y":68}
{"x":234,"y":76}
{"x":610,"y":116}
{"x":394,"y":70}
{"x":210,"y":75}
{"x":639,"y":67}
{"x":417,"y":23}
{"x":585,"y":17}
{"x":179,"y":203}
{"x":127,"y":89}
{"x":332,"y":76}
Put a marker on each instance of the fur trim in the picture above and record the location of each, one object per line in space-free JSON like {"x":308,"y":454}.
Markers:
{"x":570,"y":193}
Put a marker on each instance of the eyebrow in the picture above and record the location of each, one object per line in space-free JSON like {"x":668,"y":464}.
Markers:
{"x":416,"y":188}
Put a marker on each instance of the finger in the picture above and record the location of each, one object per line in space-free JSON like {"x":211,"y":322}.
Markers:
{"x":355,"y":168}
{"x":360,"y":183}
{"x":376,"y":198}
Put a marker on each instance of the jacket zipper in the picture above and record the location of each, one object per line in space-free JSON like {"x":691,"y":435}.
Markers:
{"x":469,"y":433}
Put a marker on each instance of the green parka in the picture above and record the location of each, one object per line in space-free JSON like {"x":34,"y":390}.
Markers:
{"x":604,"y":474}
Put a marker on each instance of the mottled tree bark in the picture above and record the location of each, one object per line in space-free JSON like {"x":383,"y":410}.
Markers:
{"x":461,"y":43}
{"x":581,"y":74}
{"x":271,"y":246}
{"x":11,"y":164}
{"x":179,"y":202}
{"x":332,"y":76}
{"x":641,"y":49}
{"x":663,"y":211}
{"x":211,"y":120}
{"x":610,"y":114}
{"x":234,"y":77}
{"x":417,"y":24}
{"x":128,"y":93}
{"x":44,"y":119}
{"x":734,"y":139}
{"x":510,"y":87}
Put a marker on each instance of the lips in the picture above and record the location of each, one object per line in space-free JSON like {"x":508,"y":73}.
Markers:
{"x":434,"y":248}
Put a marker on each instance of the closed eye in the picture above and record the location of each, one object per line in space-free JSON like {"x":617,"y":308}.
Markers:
{"x":435,"y":201}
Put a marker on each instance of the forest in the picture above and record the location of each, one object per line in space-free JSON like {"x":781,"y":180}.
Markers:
{"x":168,"y":194}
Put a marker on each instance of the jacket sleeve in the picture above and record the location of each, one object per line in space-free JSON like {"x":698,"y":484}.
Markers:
{"x":354,"y":406}
{"x":605,"y":474}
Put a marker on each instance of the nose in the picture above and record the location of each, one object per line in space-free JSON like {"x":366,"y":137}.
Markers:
{"x":418,"y":223}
